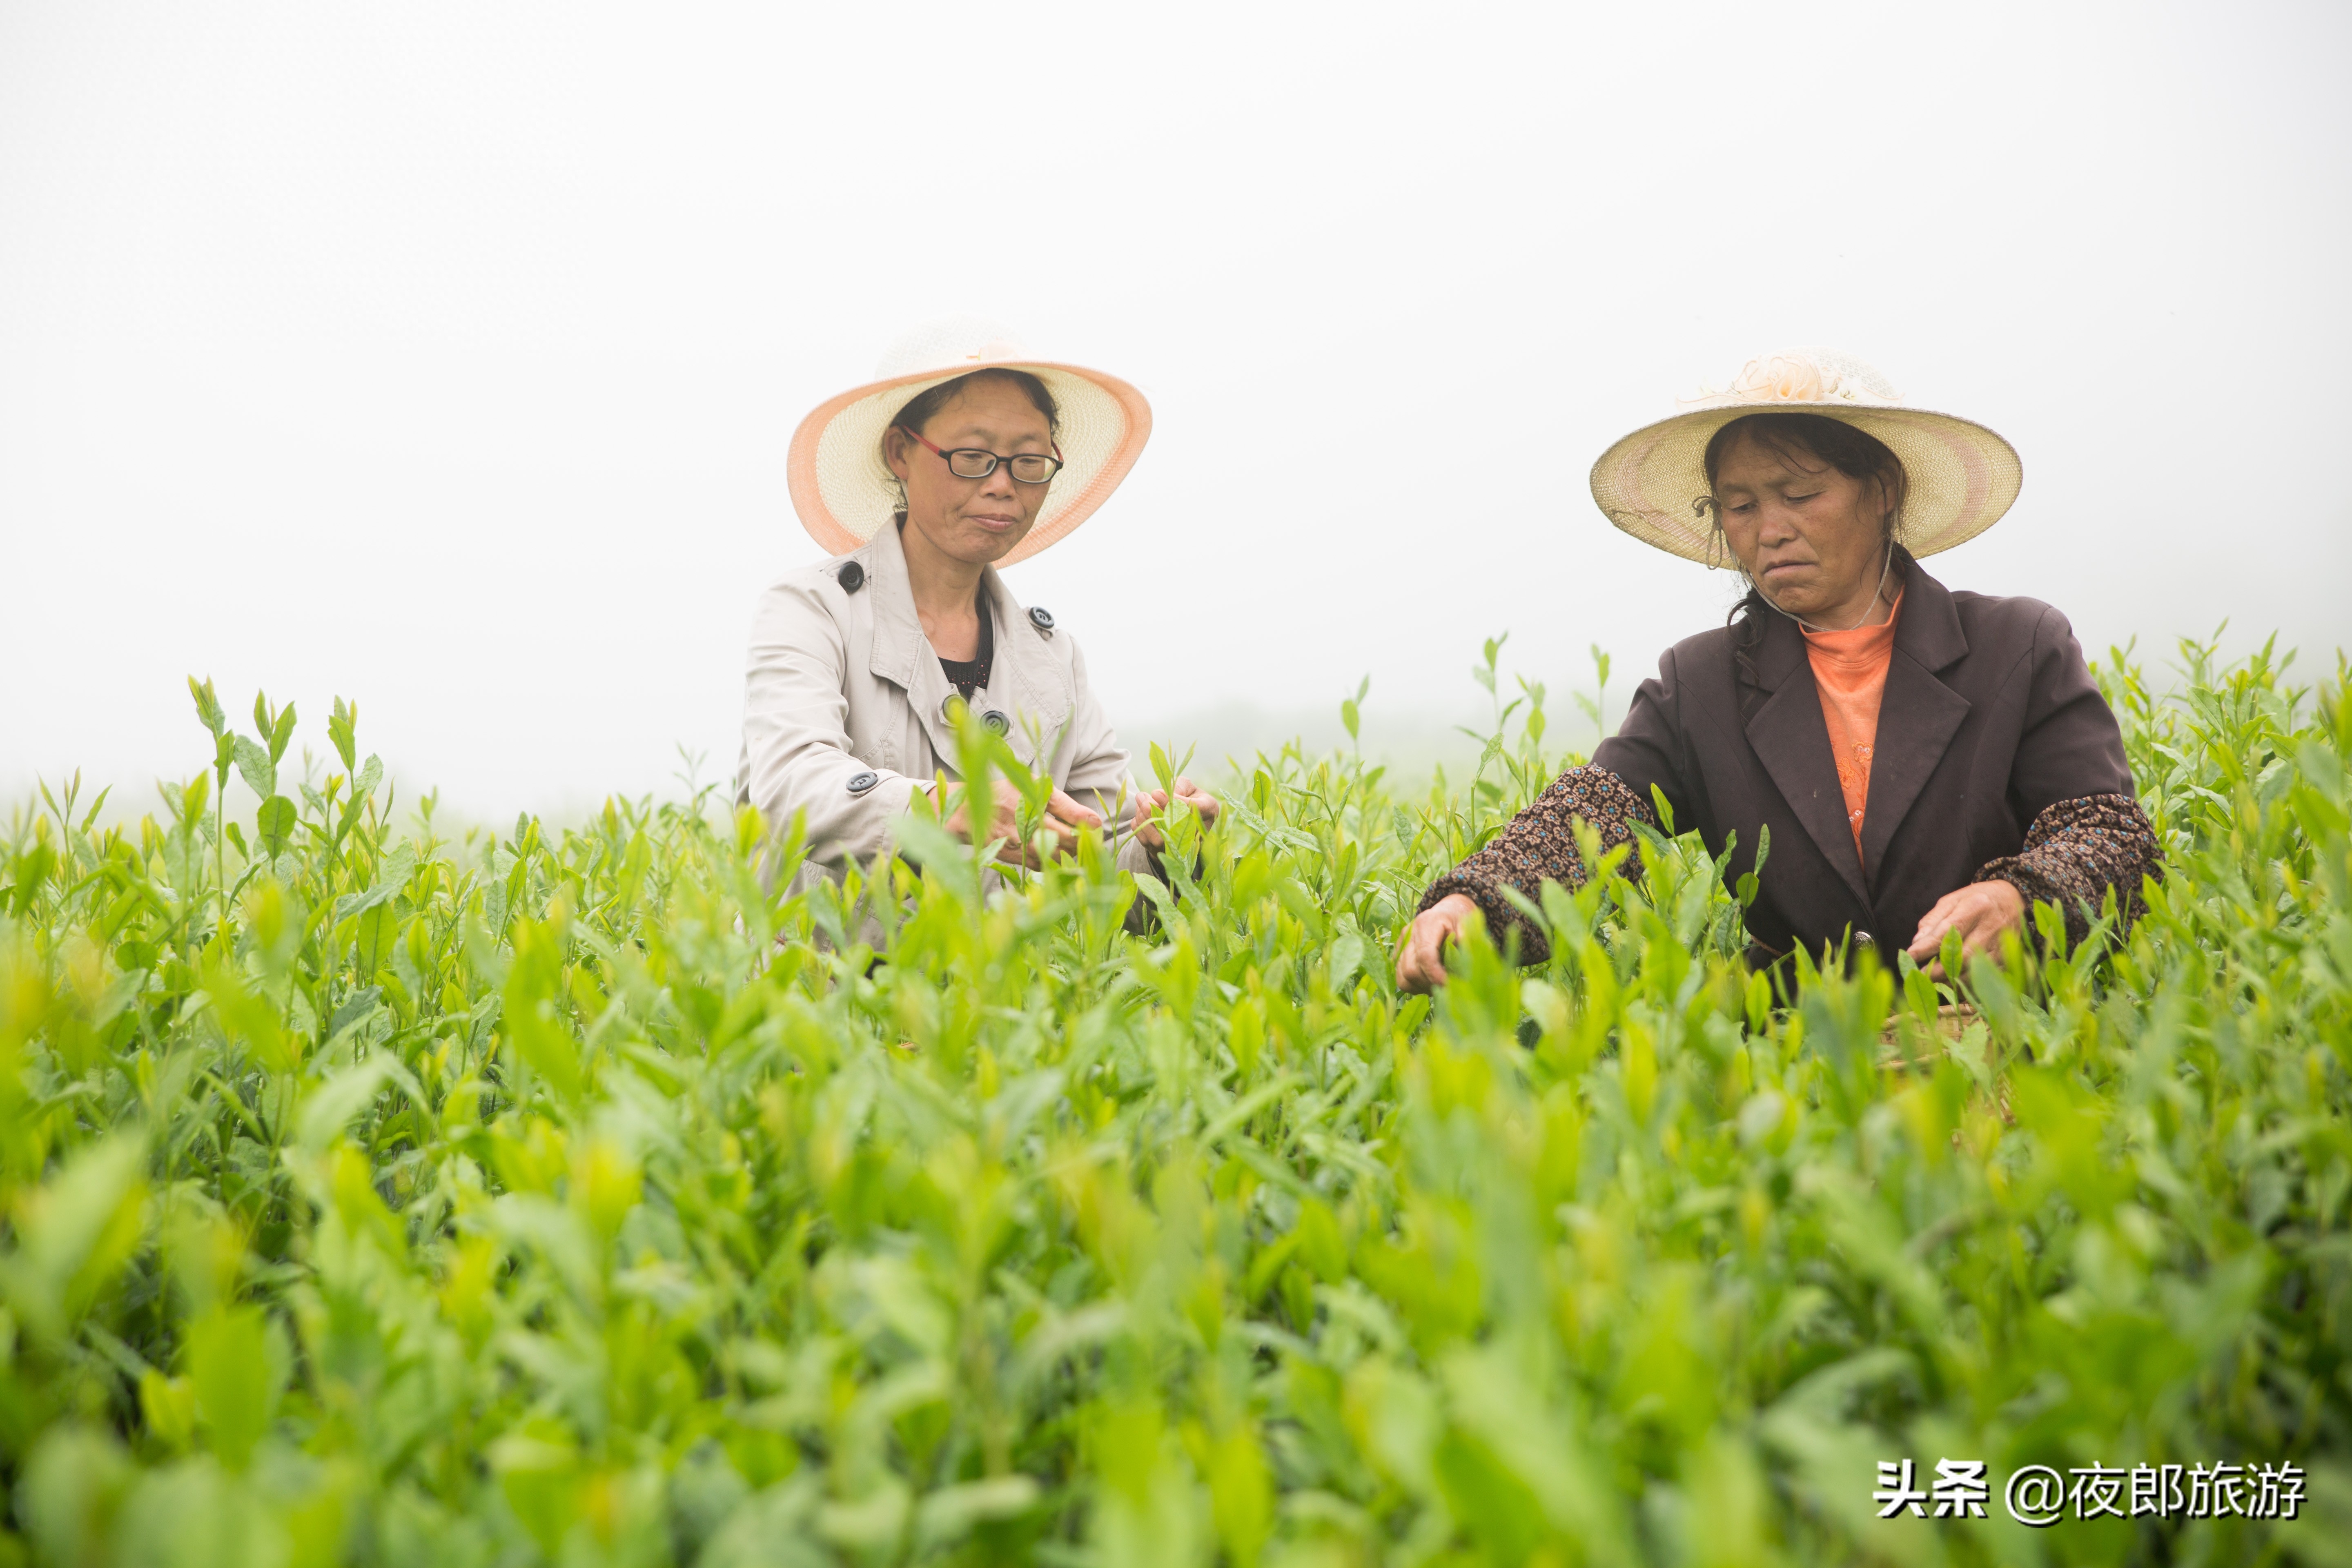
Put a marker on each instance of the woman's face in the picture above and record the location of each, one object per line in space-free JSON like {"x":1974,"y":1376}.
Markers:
{"x":1811,"y":538}
{"x":972,"y":520}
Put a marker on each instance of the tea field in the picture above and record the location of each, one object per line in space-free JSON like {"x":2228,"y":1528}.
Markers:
{"x":384,"y":1194}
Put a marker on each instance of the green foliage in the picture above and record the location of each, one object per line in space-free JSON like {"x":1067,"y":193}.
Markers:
{"x":565,"y":1197}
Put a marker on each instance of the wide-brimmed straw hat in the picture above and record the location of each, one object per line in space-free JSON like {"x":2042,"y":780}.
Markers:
{"x":1653,"y":483}
{"x":842,"y":493}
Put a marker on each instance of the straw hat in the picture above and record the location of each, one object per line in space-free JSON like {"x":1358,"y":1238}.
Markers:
{"x":1653,"y":483}
{"x":844,"y":495}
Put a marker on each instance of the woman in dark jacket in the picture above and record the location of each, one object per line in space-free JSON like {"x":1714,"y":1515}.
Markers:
{"x":1924,"y":761}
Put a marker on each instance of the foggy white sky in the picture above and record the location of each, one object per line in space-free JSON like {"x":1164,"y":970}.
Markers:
{"x":443,"y":356}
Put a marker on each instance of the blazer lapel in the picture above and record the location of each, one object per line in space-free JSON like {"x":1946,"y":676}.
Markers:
{"x":1918,"y":714}
{"x":1026,"y":680}
{"x":902,"y":655}
{"x":897,"y":631}
{"x":1792,"y":741}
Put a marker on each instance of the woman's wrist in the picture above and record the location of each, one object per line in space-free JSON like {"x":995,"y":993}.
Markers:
{"x":1456,"y":907}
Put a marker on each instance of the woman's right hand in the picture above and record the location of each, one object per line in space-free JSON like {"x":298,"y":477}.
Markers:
{"x":1421,"y":961}
{"x":1063,"y":815}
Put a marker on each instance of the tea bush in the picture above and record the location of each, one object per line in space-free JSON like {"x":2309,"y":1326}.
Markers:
{"x":560,"y":1197}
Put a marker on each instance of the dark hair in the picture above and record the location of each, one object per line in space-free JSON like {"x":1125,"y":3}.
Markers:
{"x":1808,"y":441}
{"x":923,"y":405}
{"x":1805,"y":441}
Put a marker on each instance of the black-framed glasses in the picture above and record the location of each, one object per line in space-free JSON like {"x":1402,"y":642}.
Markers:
{"x":974,"y":463}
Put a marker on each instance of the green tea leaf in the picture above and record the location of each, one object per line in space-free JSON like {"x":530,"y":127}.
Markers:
{"x":74,"y":1233}
{"x":208,"y":707}
{"x":255,"y":766}
{"x":235,"y":1374}
{"x":276,"y":822}
{"x":340,"y":726}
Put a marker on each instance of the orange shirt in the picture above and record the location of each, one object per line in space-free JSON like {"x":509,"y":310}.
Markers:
{"x":1849,"y":669}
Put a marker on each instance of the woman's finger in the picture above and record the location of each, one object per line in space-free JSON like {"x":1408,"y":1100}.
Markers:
{"x":1982,"y":933}
{"x":1405,"y":969}
{"x":1067,"y":808}
{"x":1422,"y":965}
{"x":1428,"y":961}
{"x":1929,"y":938}
{"x":1004,"y":823}
{"x":1408,"y":963}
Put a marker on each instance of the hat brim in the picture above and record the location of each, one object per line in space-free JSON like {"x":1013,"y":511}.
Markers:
{"x":1962,"y":477}
{"x":843,"y":495}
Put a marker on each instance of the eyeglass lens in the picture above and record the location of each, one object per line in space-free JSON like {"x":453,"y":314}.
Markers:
{"x":1029,"y":468}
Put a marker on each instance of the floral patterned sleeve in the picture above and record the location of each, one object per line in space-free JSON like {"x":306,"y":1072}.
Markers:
{"x":2076,"y":850}
{"x":1538,"y":846}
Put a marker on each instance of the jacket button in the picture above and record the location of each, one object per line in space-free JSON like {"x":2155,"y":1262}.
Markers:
{"x":1041,"y":618}
{"x":951,"y":707}
{"x":996,"y":722}
{"x":1863,"y":939}
{"x":852,"y":577}
{"x":860,"y":782}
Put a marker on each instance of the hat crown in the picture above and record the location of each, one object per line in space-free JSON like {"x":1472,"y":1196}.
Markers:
{"x":950,"y":343}
{"x":1802,"y":376}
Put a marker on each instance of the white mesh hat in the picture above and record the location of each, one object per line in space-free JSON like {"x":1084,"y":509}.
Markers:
{"x":1653,"y":483}
{"x":842,"y":493}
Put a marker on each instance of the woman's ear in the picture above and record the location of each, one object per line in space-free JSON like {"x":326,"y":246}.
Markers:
{"x":895,"y":446}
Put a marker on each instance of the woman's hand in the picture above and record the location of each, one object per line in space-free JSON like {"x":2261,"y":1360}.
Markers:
{"x":1156,"y":800}
{"x":1979,"y":912}
{"x":1064,"y":815}
{"x":1421,"y":961}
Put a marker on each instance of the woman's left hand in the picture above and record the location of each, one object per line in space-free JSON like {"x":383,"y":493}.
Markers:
{"x":1153,"y":800}
{"x":1979,"y":912}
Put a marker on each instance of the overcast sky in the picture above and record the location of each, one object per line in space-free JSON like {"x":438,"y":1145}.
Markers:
{"x":442,"y":356}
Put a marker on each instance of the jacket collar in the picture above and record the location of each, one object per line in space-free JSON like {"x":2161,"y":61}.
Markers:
{"x":1024,"y":679}
{"x":1930,"y":629}
{"x":1917,"y":713}
{"x":1918,"y":717}
{"x":899,"y":648}
{"x":1930,"y":632}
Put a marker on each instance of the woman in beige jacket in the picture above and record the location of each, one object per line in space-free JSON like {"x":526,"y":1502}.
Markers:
{"x":963,"y":456}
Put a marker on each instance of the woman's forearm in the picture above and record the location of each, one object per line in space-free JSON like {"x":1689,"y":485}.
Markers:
{"x":2076,"y":850}
{"x":1538,"y":846}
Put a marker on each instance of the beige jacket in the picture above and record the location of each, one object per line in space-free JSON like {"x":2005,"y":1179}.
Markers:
{"x":845,"y":709}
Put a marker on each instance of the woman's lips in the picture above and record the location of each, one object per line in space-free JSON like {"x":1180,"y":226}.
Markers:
{"x":997,"y":525}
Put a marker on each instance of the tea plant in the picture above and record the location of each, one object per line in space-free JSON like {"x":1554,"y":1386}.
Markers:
{"x":565,"y":1196}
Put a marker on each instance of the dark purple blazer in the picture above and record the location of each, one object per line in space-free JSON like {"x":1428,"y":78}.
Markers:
{"x":1989,"y":716}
